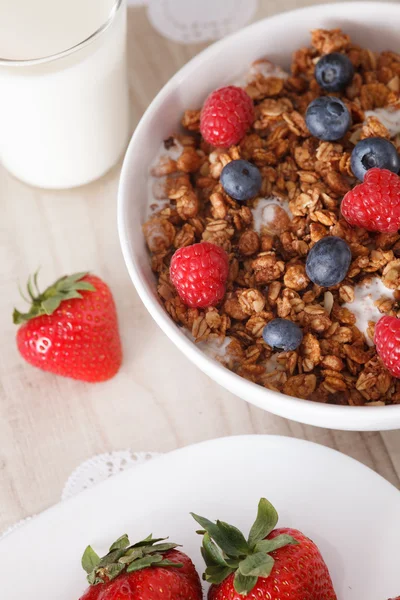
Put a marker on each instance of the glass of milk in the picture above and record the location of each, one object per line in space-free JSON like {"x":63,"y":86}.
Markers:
{"x":64,"y":102}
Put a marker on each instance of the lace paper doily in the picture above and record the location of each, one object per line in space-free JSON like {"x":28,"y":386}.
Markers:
{"x":15,"y":526}
{"x":92,"y":472}
{"x":102,"y":467}
{"x":189,"y":21}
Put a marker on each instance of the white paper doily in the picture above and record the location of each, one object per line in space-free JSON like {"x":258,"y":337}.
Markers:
{"x":102,"y":467}
{"x":190,"y":21}
{"x":14,"y":527}
{"x":92,"y":472}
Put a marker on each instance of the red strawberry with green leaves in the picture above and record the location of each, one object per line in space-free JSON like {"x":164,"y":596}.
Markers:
{"x":271,"y":563}
{"x":148,"y":570}
{"x":71,"y":329}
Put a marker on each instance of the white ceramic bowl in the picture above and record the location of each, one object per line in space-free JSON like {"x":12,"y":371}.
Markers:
{"x":374,"y":25}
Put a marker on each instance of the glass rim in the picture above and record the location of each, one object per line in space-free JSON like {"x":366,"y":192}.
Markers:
{"x":27,"y":62}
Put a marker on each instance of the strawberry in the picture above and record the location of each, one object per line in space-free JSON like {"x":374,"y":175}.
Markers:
{"x":147,"y":570}
{"x":71,"y":329}
{"x":271,"y":563}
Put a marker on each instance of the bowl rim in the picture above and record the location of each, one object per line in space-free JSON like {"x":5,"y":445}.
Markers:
{"x":368,"y":418}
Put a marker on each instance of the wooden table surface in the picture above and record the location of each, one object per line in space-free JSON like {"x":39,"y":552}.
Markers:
{"x":49,"y":425}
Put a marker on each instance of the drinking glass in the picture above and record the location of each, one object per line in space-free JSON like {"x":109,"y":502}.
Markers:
{"x":64,"y":102}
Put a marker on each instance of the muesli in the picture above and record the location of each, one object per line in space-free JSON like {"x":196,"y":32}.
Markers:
{"x":268,"y":238}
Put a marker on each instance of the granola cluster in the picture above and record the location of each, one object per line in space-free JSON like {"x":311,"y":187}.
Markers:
{"x":335,"y":363}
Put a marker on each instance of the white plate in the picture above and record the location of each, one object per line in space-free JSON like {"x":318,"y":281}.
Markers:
{"x":347,"y":509}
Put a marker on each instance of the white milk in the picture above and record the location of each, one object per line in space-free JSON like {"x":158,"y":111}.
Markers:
{"x":264,"y":212}
{"x":363,"y":307}
{"x":63,"y":122}
{"x":215,"y":348}
{"x":267,"y":69}
{"x":263,"y":67}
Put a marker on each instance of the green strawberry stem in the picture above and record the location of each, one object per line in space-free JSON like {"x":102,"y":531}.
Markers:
{"x":225,"y":550}
{"x":125,"y":557}
{"x":46,"y":303}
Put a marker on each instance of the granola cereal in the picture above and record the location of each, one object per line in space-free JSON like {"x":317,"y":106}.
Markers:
{"x":268,"y":238}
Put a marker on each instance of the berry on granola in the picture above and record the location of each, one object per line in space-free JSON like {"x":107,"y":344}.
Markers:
{"x":226,"y":116}
{"x":334,"y":72}
{"x":282,"y":334}
{"x":387,"y":340}
{"x":199,"y":273}
{"x":328,"y":261}
{"x":375,"y":203}
{"x":328,"y":118}
{"x":374,"y":152}
{"x":241,"y":180}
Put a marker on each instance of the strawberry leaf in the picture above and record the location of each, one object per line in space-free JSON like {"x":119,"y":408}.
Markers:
{"x":149,"y":541}
{"x":146,"y":561}
{"x":111,"y":557}
{"x":19,"y":317}
{"x":226,"y":551}
{"x":51,"y":304}
{"x":46,"y":303}
{"x":114,"y":570}
{"x":35,"y":281}
{"x":223,"y":538}
{"x":160,"y":548}
{"x":84,"y":285}
{"x":277,"y":542}
{"x":257,"y":565}
{"x":90,"y":560}
{"x":70,"y":295}
{"x":216,"y":575}
{"x":169,"y":563}
{"x":266,"y":520}
{"x":243,"y":584}
{"x":211,"y":553}
{"x":66,"y":282}
{"x":130,"y":556}
{"x":233,"y":562}
{"x":124,"y":557}
{"x":121,"y":543}
{"x":94,"y":579}
{"x":30,"y":289}
{"x":235,"y":537}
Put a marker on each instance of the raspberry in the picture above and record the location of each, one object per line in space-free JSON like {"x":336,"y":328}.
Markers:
{"x":375,"y":203}
{"x":199,"y":273}
{"x":387,"y":342}
{"x":226,"y":116}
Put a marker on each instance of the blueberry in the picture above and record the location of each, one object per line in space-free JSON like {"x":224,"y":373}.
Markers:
{"x":334,"y":72}
{"x":328,"y":118}
{"x":241,"y":180}
{"x":374,"y":152}
{"x":328,"y":261}
{"x":283,"y":334}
